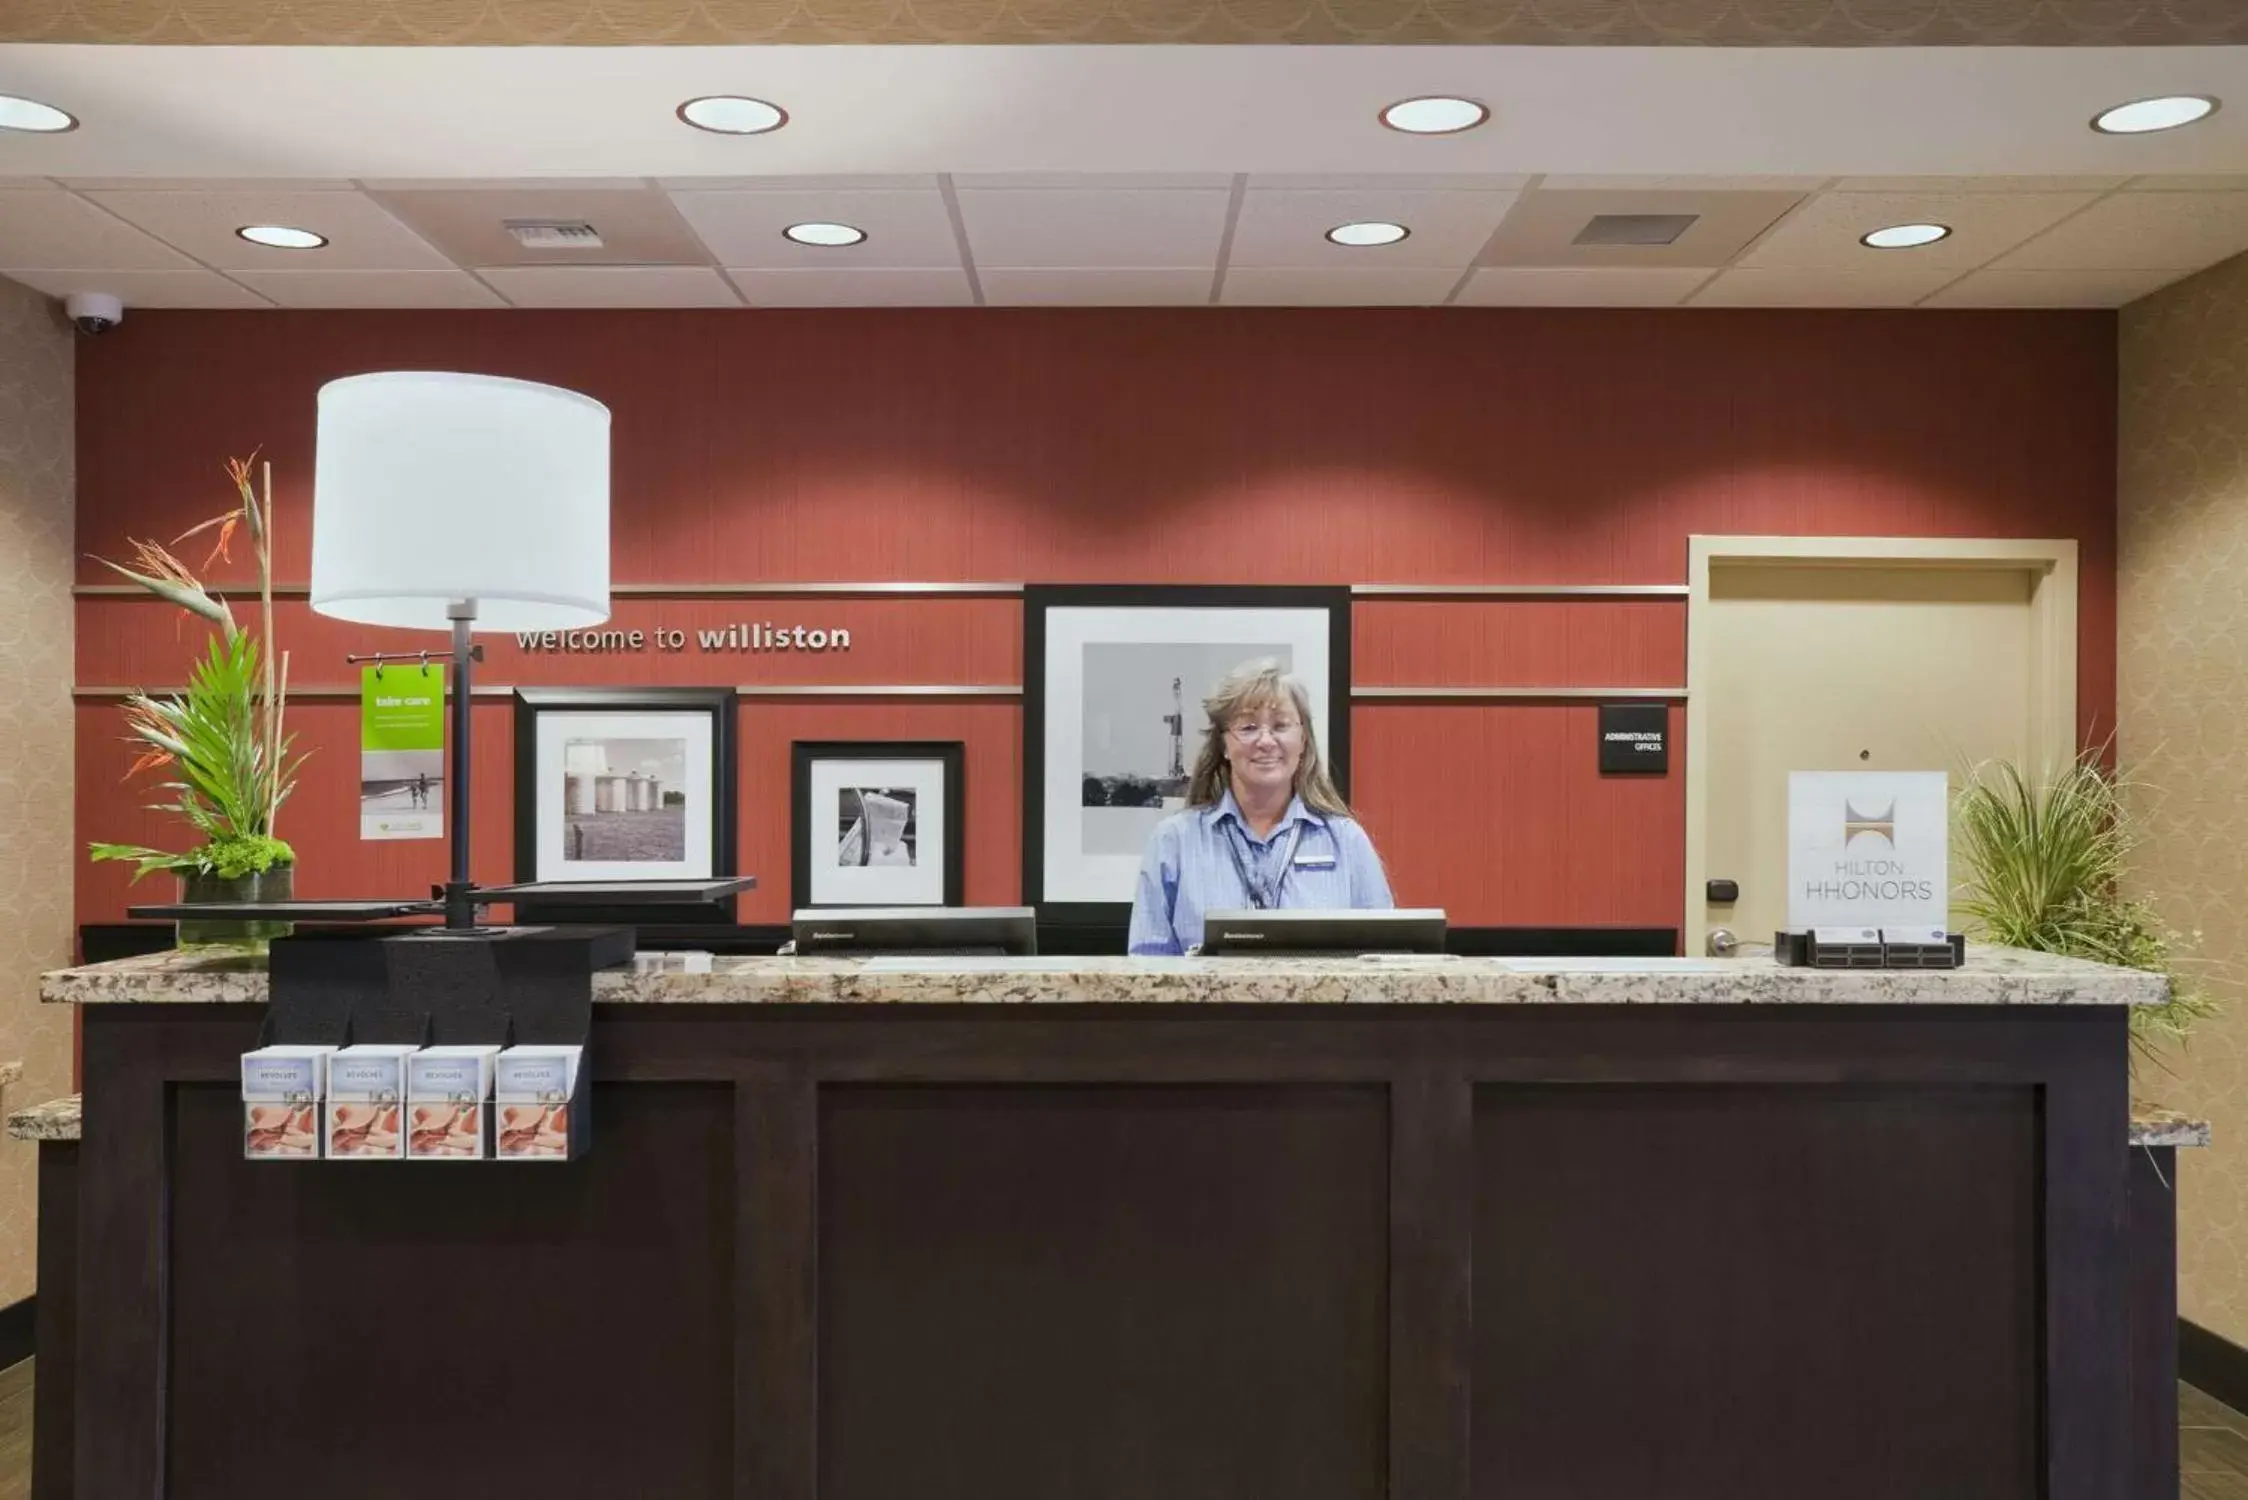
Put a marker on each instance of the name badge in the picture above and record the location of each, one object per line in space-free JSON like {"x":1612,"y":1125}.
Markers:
{"x":1315,"y":861}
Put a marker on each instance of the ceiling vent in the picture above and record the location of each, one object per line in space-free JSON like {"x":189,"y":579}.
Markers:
{"x":1635,"y":229}
{"x":554,"y":234}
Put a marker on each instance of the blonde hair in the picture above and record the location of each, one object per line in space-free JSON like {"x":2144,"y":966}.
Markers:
{"x":1255,"y":685}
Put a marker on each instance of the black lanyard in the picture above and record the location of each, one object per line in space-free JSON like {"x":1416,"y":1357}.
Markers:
{"x":1263,"y":892}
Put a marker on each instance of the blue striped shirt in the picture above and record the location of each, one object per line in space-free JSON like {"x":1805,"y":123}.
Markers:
{"x":1189,"y":869}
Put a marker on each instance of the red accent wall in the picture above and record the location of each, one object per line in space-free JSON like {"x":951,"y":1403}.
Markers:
{"x":1446,"y":446}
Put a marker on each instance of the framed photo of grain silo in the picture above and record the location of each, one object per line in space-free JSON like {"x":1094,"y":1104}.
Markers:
{"x":1113,"y":683}
{"x":625,"y":783}
{"x":876,"y":823}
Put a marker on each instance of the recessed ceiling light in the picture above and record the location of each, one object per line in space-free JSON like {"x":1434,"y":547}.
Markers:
{"x":1371,"y":232}
{"x":1905,"y":236}
{"x":281,"y":237}
{"x":733,"y":114}
{"x":2143,"y":115}
{"x":29,"y":114}
{"x":1435,"y":114}
{"x":825,"y":234}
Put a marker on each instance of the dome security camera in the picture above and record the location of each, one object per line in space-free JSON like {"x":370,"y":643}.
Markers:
{"x":94,"y":312}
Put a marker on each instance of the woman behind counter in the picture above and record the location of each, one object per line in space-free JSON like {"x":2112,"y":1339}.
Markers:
{"x":1263,"y":825}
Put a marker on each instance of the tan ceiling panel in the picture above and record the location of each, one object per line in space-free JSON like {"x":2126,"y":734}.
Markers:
{"x":1110,"y":286}
{"x":1050,"y":228}
{"x":903,"y":229}
{"x":361,"y":235}
{"x":2142,"y":232}
{"x":371,"y":288}
{"x":1580,"y":286}
{"x":1297,"y":286}
{"x":1821,"y":288}
{"x":1289,"y":228}
{"x":928,"y":286}
{"x":1672,"y":182}
{"x":2088,"y":184}
{"x":2002,"y":288}
{"x":612,"y":286}
{"x":1387,"y":182}
{"x":145,"y":288}
{"x":1641,"y":23}
{"x":638,"y":226}
{"x":1825,"y":233}
{"x":49,"y":229}
{"x":1104,"y":182}
{"x":1542,"y":229}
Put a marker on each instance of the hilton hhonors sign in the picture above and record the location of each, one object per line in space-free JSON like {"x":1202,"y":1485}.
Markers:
{"x":1867,"y":849}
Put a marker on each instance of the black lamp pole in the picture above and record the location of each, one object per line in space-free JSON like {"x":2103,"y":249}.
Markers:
{"x":460,"y":908}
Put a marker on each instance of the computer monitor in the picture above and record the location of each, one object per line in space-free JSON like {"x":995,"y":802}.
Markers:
{"x":915,"y":929}
{"x":1407,"y":930}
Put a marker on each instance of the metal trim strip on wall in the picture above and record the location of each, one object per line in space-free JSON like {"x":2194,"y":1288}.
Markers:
{"x":326,"y":691}
{"x":991,"y":590}
{"x":1519,"y":591}
{"x":1668,"y":694}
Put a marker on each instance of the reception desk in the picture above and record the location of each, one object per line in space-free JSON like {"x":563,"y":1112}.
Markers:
{"x":1146,"y":1230}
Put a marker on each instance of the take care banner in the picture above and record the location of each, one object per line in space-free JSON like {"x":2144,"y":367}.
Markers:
{"x":402,"y":751}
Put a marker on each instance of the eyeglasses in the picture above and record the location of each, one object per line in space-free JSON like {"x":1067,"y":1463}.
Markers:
{"x":1248,"y":733}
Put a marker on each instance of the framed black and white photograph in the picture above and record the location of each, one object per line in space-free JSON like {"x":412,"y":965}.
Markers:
{"x":1113,"y":683}
{"x":626,"y":784}
{"x":876,"y":823}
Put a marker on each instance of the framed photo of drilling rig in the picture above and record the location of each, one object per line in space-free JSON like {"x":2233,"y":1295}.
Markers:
{"x":1113,"y":683}
{"x":876,"y":823}
{"x":625,"y":784}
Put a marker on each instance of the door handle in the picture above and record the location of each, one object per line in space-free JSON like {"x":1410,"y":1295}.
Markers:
{"x":1722,"y":943}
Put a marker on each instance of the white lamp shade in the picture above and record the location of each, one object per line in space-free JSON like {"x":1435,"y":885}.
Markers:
{"x":430,"y":487}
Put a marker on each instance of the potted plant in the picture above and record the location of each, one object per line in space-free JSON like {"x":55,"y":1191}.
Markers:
{"x":2044,"y":864}
{"x":219,"y":743}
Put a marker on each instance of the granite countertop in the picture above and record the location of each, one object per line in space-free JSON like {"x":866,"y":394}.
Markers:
{"x":1992,"y":976}
{"x":56,"y":1120}
{"x":2151,"y":1125}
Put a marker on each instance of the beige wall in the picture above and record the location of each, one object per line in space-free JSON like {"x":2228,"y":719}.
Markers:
{"x":2183,"y":723}
{"x":36,"y":542}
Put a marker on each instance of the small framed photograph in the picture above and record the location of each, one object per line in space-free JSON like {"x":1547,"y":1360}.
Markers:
{"x":1113,"y":683}
{"x":877,"y":823}
{"x":626,"y":784}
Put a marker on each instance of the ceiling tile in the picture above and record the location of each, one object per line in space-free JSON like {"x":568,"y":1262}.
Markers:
{"x":810,"y":183}
{"x":612,"y":286}
{"x":2189,"y":182}
{"x":1107,"y":182}
{"x":2090,"y":184}
{"x":855,"y":286}
{"x":1050,"y":228}
{"x":47,"y":228}
{"x":193,"y":288}
{"x":1793,"y":287}
{"x":1542,"y":229}
{"x":903,"y":229}
{"x":1105,"y":287}
{"x":19,"y":184}
{"x":1291,"y":286}
{"x":1289,"y":227}
{"x":372,"y":288}
{"x":1824,"y":233}
{"x":1625,"y":182}
{"x":638,"y":226}
{"x":1994,"y":287}
{"x":210,"y":184}
{"x":361,"y":236}
{"x":501,"y":184}
{"x":1580,"y":286}
{"x":1407,"y":182}
{"x":2142,"y":232}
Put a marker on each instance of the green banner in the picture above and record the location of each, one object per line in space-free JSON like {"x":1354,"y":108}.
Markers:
{"x":402,"y":751}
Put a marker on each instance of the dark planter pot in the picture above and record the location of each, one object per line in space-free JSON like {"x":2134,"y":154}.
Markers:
{"x":276,"y":884}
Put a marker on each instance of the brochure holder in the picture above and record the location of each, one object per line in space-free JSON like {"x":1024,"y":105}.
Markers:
{"x":510,"y":986}
{"x":1807,"y":948}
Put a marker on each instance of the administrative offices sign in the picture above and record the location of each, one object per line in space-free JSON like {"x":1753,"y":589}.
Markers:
{"x":741,"y":636}
{"x":1868,"y":849}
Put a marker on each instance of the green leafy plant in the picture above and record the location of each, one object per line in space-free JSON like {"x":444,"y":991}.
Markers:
{"x":2044,"y":864}
{"x":220,"y":743}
